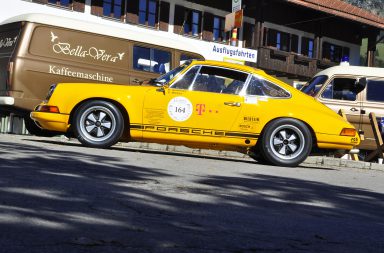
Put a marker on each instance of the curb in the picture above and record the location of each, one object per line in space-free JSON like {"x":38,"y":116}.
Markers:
{"x":311,"y":161}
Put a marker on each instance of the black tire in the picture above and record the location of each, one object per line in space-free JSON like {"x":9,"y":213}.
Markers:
{"x":33,"y":129}
{"x":257,"y":155}
{"x":286,"y":142}
{"x":98,"y":124}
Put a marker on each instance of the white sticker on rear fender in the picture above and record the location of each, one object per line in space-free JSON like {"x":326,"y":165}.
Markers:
{"x":180,"y":109}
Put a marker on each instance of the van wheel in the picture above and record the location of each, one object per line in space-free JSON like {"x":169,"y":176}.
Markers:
{"x":98,"y":124}
{"x":33,"y":129}
{"x":286,"y":142}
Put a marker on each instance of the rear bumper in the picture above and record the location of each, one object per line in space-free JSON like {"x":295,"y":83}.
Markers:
{"x":51,"y":121}
{"x":7,"y":101}
{"x":326,"y":141}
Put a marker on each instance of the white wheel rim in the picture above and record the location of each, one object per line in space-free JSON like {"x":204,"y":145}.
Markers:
{"x":287,"y":142}
{"x":97,"y":123}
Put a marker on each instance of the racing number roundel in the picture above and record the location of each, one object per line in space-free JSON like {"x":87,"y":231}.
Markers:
{"x":180,"y":109}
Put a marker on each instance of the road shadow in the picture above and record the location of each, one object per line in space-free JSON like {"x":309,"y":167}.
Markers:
{"x":148,"y":151}
{"x":61,"y":201}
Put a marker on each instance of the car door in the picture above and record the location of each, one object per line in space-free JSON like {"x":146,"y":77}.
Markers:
{"x":199,"y":107}
{"x":338,"y":94}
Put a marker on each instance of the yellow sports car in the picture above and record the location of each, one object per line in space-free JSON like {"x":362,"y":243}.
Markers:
{"x":201,"y":104}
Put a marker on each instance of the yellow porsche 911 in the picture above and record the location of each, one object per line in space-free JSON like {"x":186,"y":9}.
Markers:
{"x":200,"y":104}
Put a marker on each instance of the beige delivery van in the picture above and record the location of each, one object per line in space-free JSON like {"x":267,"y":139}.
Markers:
{"x":38,"y":50}
{"x":357,"y":90}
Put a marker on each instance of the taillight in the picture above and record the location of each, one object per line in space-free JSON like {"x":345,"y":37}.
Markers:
{"x":348,"y":132}
{"x":9,"y":77}
{"x":48,"y":108}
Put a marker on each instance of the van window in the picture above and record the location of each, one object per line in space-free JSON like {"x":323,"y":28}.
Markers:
{"x":151,"y":59}
{"x":261,"y":87}
{"x":340,"y":89}
{"x":314,"y":85}
{"x":375,"y":90}
{"x":8,"y":41}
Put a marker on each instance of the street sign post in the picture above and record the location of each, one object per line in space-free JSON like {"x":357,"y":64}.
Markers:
{"x":236,"y":5}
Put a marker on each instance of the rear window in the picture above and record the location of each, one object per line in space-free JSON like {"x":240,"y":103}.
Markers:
{"x":9,"y":36}
{"x":261,"y":87}
{"x":375,"y":90}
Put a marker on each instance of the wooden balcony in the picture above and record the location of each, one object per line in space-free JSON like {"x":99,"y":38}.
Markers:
{"x":289,"y":64}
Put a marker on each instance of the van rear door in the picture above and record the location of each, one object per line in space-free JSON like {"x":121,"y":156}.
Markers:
{"x":9,"y":36}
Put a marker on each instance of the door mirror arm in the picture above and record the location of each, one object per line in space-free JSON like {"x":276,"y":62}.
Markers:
{"x":360,"y":84}
{"x":162,"y":89}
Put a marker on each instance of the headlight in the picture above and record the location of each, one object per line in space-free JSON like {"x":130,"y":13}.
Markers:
{"x":50,"y":91}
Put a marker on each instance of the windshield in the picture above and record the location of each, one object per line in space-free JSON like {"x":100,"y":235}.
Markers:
{"x":161,"y":80}
{"x":314,"y":85}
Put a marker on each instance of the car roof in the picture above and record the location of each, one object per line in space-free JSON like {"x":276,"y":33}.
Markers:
{"x":352,"y":70}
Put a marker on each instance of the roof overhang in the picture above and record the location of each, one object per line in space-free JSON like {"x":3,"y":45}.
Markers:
{"x":344,"y":10}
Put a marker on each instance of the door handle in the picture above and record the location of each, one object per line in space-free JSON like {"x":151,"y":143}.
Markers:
{"x":232,"y":104}
{"x":353,"y":109}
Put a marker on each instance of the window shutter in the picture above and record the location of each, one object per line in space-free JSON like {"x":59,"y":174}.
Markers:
{"x":247,"y":34}
{"x":164,"y":16}
{"x":79,"y":5}
{"x":208,"y":26}
{"x":179,"y":19}
{"x":97,"y":7}
{"x":133,"y":11}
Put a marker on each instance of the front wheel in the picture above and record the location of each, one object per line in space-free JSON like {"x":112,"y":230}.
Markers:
{"x":286,"y":142}
{"x":98,"y":124}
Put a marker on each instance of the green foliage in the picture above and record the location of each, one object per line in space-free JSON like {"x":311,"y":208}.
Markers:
{"x":374,"y":6}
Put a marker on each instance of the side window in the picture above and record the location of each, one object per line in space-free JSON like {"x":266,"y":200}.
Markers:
{"x":261,"y":87}
{"x":151,"y":59}
{"x":219,"y":80}
{"x":340,"y":89}
{"x":375,"y":90}
{"x":186,"y":80}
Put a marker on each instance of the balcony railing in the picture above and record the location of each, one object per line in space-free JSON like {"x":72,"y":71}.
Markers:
{"x":290,"y":64}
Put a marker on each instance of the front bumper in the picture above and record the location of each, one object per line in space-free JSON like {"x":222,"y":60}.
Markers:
{"x":51,"y":121}
{"x":7,"y":101}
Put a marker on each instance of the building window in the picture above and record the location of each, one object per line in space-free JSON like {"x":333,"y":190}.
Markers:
{"x":332,"y":52}
{"x":63,"y":3}
{"x":279,"y":40}
{"x":307,"y":47}
{"x":192,"y":22}
{"x":218,"y":29}
{"x":294,"y":43}
{"x":147,"y":12}
{"x":113,"y":8}
{"x":151,"y":59}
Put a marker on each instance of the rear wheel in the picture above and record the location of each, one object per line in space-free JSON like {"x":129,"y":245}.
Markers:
{"x":286,"y":142}
{"x":98,"y":124}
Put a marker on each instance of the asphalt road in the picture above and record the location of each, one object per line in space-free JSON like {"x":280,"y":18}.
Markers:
{"x":57,"y":196}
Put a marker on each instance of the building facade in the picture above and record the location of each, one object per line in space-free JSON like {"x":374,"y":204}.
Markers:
{"x":293,"y":38}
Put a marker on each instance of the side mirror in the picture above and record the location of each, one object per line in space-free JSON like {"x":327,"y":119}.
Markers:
{"x":162,"y":88}
{"x":360,"y":84}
